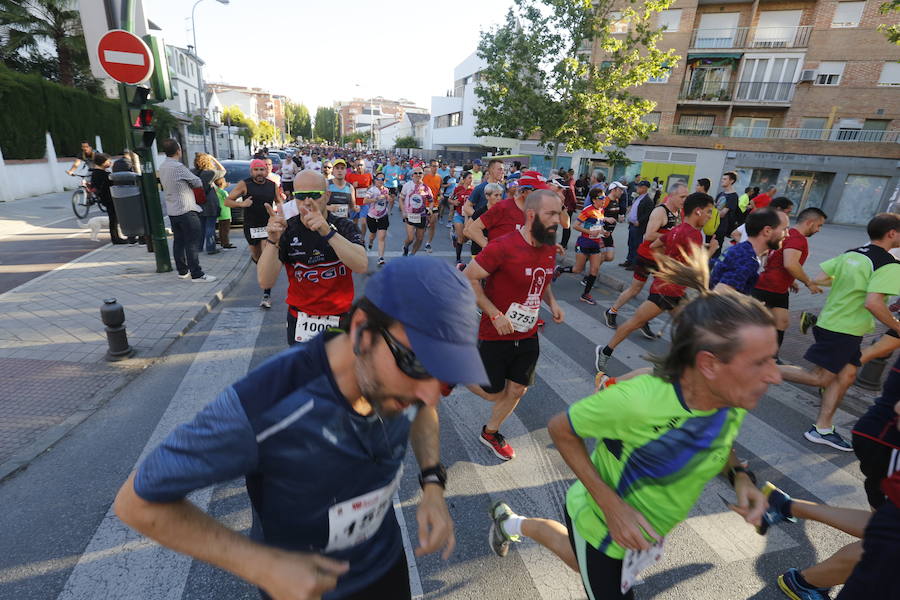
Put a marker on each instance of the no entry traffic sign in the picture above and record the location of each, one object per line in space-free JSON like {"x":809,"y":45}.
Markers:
{"x":125,"y":57}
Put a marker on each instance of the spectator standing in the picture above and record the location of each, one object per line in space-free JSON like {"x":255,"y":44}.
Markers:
{"x":224,"y":221}
{"x":184,"y":212}
{"x":638,"y":216}
{"x":101,"y":184}
{"x":208,"y":169}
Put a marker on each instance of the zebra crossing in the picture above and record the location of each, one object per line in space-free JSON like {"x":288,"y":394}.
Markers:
{"x":714,"y":554}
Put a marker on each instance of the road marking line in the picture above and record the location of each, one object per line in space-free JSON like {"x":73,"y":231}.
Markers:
{"x":69,"y":264}
{"x":114,"y":564}
{"x":123,"y":58}
{"x":415,"y":581}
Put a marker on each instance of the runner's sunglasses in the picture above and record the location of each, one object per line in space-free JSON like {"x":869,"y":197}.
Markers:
{"x":312,"y":194}
{"x":404,"y":357}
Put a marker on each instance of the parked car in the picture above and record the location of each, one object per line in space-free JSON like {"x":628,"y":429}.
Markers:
{"x":236,"y":170}
{"x":276,"y":163}
{"x":279,"y":153}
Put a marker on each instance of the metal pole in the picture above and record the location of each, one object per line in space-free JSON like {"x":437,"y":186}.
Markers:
{"x":199,"y":82}
{"x":148,"y":171}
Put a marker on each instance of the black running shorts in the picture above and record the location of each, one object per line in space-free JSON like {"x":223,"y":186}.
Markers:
{"x":514,"y":360}
{"x":876,"y":461}
{"x":643,"y":268}
{"x":377,"y":224}
{"x":772,"y":299}
{"x":833,"y":351}
{"x":665,"y":303}
{"x":600,"y":574}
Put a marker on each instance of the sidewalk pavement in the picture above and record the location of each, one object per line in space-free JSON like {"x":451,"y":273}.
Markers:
{"x":53,"y":372}
{"x":829,"y":242}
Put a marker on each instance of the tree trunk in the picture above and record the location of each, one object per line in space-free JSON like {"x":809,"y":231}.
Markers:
{"x":64,"y":56}
{"x":555,"y":155}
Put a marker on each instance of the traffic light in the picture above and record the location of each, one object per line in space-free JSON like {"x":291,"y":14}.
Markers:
{"x":140,"y":118}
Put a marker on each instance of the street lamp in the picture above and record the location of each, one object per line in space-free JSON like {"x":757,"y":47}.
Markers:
{"x":200,"y":89}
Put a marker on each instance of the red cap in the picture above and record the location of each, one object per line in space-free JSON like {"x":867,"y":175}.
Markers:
{"x":534,"y":180}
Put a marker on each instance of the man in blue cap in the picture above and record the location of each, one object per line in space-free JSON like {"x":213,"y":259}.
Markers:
{"x":319,"y":433}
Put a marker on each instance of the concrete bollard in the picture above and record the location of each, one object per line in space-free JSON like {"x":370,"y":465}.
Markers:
{"x":869,"y":376}
{"x":113,"y":316}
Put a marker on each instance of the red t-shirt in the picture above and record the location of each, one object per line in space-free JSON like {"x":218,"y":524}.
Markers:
{"x":502,"y":218}
{"x":519,"y":272}
{"x":775,"y":278}
{"x":761,"y":201}
{"x":460,"y":195}
{"x":685,"y":238}
{"x":363,"y":182}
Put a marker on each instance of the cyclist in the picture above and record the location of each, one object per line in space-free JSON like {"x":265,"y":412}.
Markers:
{"x":85,"y":158}
{"x":320,"y":434}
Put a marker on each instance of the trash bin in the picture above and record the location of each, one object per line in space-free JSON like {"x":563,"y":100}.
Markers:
{"x":129,"y":202}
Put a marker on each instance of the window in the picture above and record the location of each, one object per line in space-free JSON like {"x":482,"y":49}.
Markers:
{"x":451,"y":120}
{"x":696,"y":124}
{"x":669,"y":19}
{"x":890,"y":74}
{"x":829,"y":73}
{"x":754,"y":127}
{"x":767,"y":78}
{"x":718,"y":30}
{"x":811,"y":128}
{"x":709,"y":83}
{"x":776,"y":28}
{"x":847,"y":14}
{"x":653,"y":119}
{"x":662,"y":78}
{"x":617,"y":23}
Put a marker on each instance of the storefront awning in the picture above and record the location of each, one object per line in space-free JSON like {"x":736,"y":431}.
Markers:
{"x":732,"y":55}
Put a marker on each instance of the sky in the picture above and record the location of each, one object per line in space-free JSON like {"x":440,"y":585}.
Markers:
{"x":315,"y":53}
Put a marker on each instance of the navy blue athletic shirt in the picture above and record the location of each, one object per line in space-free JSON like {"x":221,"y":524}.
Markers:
{"x":320,"y":476}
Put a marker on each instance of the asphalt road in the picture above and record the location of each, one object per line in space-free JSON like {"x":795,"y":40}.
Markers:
{"x":60,"y":540}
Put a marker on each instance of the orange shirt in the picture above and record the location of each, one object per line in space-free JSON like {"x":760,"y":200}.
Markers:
{"x":434,"y":183}
{"x":363,"y":182}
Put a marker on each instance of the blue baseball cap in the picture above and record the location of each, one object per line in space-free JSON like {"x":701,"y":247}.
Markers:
{"x":436,"y":306}
{"x":477,"y":161}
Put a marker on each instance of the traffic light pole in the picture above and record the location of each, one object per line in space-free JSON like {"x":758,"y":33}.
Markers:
{"x":149,"y":189}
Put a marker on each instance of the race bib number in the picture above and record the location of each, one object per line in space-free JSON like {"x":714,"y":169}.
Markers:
{"x":414,"y":217}
{"x":596,"y":231}
{"x":523,"y":319}
{"x":637,"y":561}
{"x":257,"y":233}
{"x":356,"y":520}
{"x":309,"y":326}
{"x":340,"y":210}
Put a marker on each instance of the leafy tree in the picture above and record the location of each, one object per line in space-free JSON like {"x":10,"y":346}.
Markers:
{"x":407,"y":141}
{"x":891,"y":31}
{"x":265,"y":133}
{"x":326,"y":123}
{"x":298,"y":120}
{"x":540,"y":80}
{"x":28,"y":23}
{"x":351,"y":137}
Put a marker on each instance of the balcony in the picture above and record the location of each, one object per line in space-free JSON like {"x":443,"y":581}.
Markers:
{"x":751,"y":37}
{"x":698,"y":90}
{"x":789,"y":133}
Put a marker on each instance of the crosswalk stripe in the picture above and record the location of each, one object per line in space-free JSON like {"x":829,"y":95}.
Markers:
{"x":116,"y":563}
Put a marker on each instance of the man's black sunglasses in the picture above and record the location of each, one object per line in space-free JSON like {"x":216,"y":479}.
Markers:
{"x":314,"y":195}
{"x":404,"y":357}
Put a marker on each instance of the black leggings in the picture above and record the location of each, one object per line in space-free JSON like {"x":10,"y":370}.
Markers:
{"x":567,"y":232}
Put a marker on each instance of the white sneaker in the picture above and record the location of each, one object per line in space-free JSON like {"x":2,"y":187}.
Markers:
{"x":185,"y":276}
{"x":204,"y":279}
{"x":266,"y":301}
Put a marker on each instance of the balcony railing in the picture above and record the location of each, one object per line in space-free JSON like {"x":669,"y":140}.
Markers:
{"x":763,"y":92}
{"x":790,"y":133}
{"x":752,"y":37}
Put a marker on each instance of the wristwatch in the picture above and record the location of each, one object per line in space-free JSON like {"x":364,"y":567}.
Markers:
{"x":331,"y":233}
{"x":436,"y":474}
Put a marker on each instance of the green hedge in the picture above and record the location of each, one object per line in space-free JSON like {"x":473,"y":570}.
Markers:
{"x":31,"y":106}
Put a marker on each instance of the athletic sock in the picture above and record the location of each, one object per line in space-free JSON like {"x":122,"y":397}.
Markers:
{"x":458,"y":251}
{"x":512,"y":526}
{"x":613,"y":310}
{"x":267,"y":291}
{"x":565,"y":237}
{"x":607,"y":351}
{"x":825,"y":431}
{"x":589,"y":284}
{"x":565,"y":270}
{"x":780,"y":337}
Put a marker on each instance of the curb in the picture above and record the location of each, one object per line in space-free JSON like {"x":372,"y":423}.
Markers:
{"x":135,"y":366}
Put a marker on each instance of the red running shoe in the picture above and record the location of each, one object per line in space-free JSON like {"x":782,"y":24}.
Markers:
{"x":446,"y":388}
{"x":540,"y":323}
{"x":497,"y":443}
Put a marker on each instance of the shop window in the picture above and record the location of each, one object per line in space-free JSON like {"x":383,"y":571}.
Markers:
{"x":860,"y":199}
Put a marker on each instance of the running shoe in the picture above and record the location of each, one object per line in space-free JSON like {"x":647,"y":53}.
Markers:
{"x":807,"y":320}
{"x":647,"y":332}
{"x":446,"y":389}
{"x":370,"y":245}
{"x":266,"y":301}
{"x":406,"y":250}
{"x":557,"y":271}
{"x":497,"y":443}
{"x":794,"y":590}
{"x":833,"y":439}
{"x":540,"y":323}
{"x":497,"y":538}
{"x":184,"y":275}
{"x":588,"y":299}
{"x":428,"y":248}
{"x":204,"y":279}
{"x":601,"y":359}
{"x":610,"y":318}
{"x":380,"y":261}
{"x":460,"y":267}
{"x":779,"y":508}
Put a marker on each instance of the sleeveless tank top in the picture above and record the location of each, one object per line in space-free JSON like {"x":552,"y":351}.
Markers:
{"x":340,"y":196}
{"x":671,"y":221}
{"x":261,"y":193}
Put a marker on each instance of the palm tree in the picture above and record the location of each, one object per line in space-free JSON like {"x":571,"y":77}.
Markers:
{"x":26,"y":23}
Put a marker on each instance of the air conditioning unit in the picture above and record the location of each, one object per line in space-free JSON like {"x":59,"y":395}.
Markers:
{"x":808,"y":76}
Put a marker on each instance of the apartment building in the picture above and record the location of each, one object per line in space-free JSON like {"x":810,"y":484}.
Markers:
{"x":804,"y":94}
{"x":360,"y":114}
{"x":257,"y":103}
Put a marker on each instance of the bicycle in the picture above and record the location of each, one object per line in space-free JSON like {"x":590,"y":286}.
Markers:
{"x":85,"y":197}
